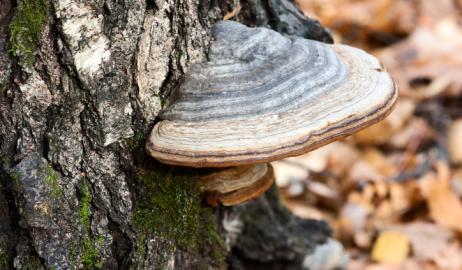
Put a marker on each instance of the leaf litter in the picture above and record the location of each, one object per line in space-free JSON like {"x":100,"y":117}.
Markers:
{"x":392,"y":192}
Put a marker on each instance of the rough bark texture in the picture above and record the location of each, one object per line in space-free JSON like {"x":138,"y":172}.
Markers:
{"x":81,"y":85}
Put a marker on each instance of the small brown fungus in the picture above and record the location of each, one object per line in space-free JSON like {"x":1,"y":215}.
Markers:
{"x":262,"y":96}
{"x":231,"y":186}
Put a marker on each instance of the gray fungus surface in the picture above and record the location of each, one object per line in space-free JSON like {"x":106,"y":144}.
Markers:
{"x":262,"y":96}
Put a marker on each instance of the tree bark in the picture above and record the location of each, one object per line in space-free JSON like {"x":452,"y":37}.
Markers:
{"x":81,"y":85}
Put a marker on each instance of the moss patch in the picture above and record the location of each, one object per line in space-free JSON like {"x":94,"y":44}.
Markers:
{"x":33,"y":264}
{"x":3,"y":259}
{"x":90,"y":253}
{"x":171,"y":207}
{"x":136,"y":142}
{"x":16,"y":177}
{"x":4,"y":86}
{"x":26,"y":29}
{"x":52,"y":180}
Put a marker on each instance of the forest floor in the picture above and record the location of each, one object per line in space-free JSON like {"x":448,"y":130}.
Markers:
{"x":392,"y":192}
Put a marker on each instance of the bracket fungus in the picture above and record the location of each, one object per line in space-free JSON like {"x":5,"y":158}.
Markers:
{"x":231,"y":186}
{"x":262,"y":96}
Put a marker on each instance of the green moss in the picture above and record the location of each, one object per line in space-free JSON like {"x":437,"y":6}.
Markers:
{"x":7,"y":160}
{"x":33,"y":264}
{"x":171,"y":207}
{"x":137,"y":141}
{"x":16,"y":177}
{"x":3,"y":259}
{"x":52,"y":179}
{"x":26,"y":29}
{"x":73,"y":255}
{"x":4,"y":86}
{"x":90,"y":247}
{"x":85,"y":212}
{"x":90,"y":254}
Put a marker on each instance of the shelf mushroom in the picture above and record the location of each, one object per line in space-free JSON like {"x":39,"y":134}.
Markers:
{"x":231,"y":186}
{"x":262,"y":96}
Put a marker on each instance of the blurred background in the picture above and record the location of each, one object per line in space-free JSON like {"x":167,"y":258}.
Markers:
{"x":392,"y":193}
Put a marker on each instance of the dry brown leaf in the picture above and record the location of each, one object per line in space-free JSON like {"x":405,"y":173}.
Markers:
{"x":416,"y":128}
{"x":385,"y":211}
{"x":340,"y":160}
{"x":425,"y":184}
{"x":285,"y":173}
{"x":428,"y":62}
{"x":390,"y":247}
{"x":408,"y":264}
{"x":305,"y":211}
{"x":295,"y":189}
{"x":456,"y":181}
{"x":425,"y":64}
{"x":379,"y":162}
{"x":353,"y":216}
{"x":400,"y":197}
{"x":450,"y":258}
{"x":381,"y":132}
{"x":233,"y":13}
{"x":445,"y":206}
{"x":363,"y":239}
{"x":426,"y":239}
{"x":455,"y":141}
{"x":322,"y":190}
{"x":359,"y":19}
{"x":363,"y":171}
{"x":381,"y":189}
{"x":315,"y":160}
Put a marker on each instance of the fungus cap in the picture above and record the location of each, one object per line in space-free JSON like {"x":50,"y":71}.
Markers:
{"x":262,"y":96}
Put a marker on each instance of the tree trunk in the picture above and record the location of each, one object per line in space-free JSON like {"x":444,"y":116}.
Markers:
{"x":81,"y":85}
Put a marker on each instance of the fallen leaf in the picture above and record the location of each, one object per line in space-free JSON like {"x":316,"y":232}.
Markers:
{"x":381,"y":132}
{"x":315,"y":160}
{"x":353,"y":216}
{"x":406,"y":265}
{"x":305,"y":211}
{"x":450,"y":258}
{"x":361,"y":19}
{"x":336,"y":161}
{"x":390,"y":247}
{"x":455,"y":141}
{"x":363,"y":239}
{"x":233,"y":13}
{"x":285,"y":173}
{"x":444,"y":204}
{"x":379,"y":161}
{"x":421,"y":66}
{"x":456,"y":181}
{"x":363,"y":171}
{"x":416,"y":128}
{"x":400,"y":197}
{"x":385,"y":211}
{"x":427,"y":239}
